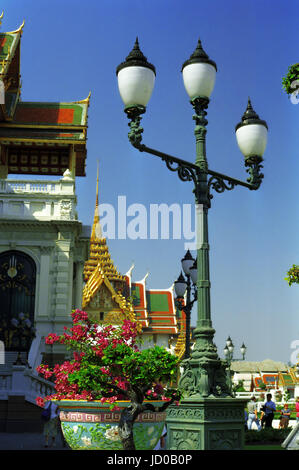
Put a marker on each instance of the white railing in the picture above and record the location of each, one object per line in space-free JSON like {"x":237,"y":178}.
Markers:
{"x":37,"y":387}
{"x":33,"y":186}
{"x":53,"y":200}
{"x":21,"y":381}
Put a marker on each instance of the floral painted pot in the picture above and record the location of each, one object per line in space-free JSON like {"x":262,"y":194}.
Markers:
{"x":88,"y":425}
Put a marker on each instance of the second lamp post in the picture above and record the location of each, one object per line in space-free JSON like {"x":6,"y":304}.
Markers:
{"x":183,"y":287}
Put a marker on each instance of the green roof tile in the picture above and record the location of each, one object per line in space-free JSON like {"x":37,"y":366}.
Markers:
{"x":158,"y":301}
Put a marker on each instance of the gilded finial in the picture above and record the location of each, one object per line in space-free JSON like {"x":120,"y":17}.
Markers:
{"x":96,"y":228}
{"x":1,"y":16}
{"x":19,"y":30}
{"x":85,"y":100}
{"x":97,"y":191}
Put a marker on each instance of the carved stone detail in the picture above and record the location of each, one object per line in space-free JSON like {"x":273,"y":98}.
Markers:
{"x":224,"y":413}
{"x":224,"y":439}
{"x":185,"y":439}
{"x":66,"y":209}
{"x":190,"y":413}
{"x":45,"y":250}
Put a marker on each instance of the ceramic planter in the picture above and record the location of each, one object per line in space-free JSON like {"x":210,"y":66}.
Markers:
{"x":92,"y":425}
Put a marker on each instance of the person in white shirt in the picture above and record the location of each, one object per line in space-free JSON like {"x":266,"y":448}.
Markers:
{"x":252,"y":414}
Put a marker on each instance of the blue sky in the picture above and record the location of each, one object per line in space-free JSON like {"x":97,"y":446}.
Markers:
{"x":70,"y":48}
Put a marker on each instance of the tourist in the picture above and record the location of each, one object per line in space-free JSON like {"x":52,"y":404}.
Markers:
{"x":51,"y":426}
{"x":268,"y":409}
{"x":297,"y":409}
{"x":285,"y":416}
{"x":252,"y":414}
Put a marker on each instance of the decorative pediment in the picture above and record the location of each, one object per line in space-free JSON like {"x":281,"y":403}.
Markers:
{"x":103,"y":300}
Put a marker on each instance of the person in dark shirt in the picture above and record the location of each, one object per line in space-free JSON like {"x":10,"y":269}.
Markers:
{"x":268,"y":409}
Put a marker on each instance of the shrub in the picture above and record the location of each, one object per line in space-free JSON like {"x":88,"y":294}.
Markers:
{"x":266,"y":435}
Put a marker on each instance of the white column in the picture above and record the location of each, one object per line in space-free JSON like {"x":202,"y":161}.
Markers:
{"x":79,"y":284}
{"x":44,"y":282}
{"x":64,"y":273}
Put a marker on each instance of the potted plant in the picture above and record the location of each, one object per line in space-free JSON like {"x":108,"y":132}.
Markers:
{"x":109,"y":375}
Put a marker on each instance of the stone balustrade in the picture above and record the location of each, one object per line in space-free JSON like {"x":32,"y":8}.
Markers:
{"x":21,"y":381}
{"x":38,"y":199}
{"x":37,"y":387}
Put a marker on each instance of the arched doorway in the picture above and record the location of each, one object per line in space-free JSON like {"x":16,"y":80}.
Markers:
{"x":17,"y":299}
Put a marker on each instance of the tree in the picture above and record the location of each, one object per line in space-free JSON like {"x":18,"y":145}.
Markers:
{"x":290,"y":82}
{"x":293,"y":275}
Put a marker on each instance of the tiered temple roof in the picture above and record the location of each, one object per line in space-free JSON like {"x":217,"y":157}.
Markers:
{"x":37,"y":137}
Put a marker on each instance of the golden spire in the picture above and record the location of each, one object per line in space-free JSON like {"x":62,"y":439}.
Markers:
{"x":99,"y":256}
{"x":1,"y":17}
{"x":96,"y":233}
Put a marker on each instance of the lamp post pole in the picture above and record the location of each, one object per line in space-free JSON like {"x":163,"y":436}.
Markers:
{"x":208,"y":416}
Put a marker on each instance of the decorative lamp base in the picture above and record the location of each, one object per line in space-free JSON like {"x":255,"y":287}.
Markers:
{"x":206,"y":424}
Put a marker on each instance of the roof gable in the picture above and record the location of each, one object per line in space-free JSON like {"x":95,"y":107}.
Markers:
{"x":51,"y":114}
{"x":10,"y":70}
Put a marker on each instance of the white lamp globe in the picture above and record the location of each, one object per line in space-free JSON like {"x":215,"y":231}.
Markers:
{"x":187,"y":263}
{"x":136,"y":78}
{"x":199,"y":74}
{"x":251,"y":133}
{"x":180,"y":286}
{"x":243,"y":349}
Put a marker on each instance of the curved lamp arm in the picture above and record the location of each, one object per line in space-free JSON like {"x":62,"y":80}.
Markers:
{"x":188,"y":171}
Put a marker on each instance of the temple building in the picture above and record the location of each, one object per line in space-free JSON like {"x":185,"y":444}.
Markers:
{"x":50,"y":263}
{"x":109,"y":296}
{"x":42,"y":244}
{"x":266,"y":375}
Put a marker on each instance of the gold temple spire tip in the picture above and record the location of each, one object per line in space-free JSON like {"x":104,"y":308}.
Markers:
{"x":19,"y":30}
{"x":85,"y":100}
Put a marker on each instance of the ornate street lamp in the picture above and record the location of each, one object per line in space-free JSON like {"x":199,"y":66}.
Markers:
{"x":182,"y":287}
{"x":204,"y":380}
{"x":243,"y":351}
{"x":229,"y":351}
